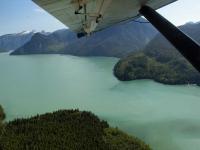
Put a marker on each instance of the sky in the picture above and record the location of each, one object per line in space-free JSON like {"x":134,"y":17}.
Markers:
{"x":24,"y":15}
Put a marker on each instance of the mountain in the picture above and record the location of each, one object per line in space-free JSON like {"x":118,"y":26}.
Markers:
{"x":66,"y":129}
{"x":116,"y":41}
{"x":13,"y":41}
{"x":160,"y":61}
{"x":46,"y":44}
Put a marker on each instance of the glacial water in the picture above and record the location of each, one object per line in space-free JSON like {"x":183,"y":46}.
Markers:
{"x":166,"y":117}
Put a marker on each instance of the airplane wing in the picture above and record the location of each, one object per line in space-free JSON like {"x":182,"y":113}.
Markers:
{"x":87,"y":16}
{"x":93,"y":15}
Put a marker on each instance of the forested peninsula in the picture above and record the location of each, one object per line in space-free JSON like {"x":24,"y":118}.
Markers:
{"x":160,"y":61}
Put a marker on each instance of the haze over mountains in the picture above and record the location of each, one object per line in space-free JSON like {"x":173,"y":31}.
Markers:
{"x":116,"y":41}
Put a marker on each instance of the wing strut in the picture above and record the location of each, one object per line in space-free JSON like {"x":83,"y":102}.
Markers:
{"x":185,"y":45}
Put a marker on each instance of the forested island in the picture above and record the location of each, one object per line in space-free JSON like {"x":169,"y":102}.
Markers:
{"x":65,"y":129}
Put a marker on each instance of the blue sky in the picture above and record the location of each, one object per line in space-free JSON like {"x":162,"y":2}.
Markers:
{"x":20,"y":15}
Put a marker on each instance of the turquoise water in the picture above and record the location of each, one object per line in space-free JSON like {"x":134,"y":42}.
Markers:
{"x":166,"y":117}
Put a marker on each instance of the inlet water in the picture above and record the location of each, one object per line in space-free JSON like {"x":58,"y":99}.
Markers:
{"x":166,"y":117}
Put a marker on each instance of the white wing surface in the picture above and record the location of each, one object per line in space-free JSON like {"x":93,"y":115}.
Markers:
{"x":93,"y":15}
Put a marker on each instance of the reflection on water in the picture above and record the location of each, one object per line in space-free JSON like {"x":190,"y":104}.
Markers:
{"x":166,"y":117}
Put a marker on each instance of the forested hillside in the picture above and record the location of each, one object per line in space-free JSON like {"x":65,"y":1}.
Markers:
{"x":160,"y":61}
{"x":66,"y":129}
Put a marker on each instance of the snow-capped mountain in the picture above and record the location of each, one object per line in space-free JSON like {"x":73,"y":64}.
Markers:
{"x":13,"y":41}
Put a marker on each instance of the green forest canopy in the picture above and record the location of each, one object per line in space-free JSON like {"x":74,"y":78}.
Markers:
{"x":66,"y":129}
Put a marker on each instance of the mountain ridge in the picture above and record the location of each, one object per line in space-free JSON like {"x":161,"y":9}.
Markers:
{"x":116,"y":41}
